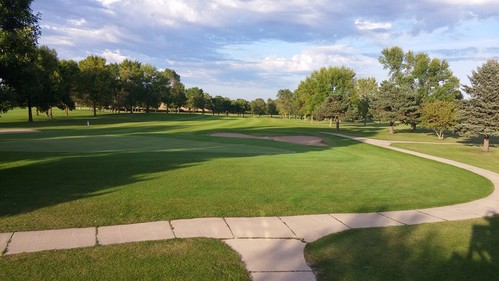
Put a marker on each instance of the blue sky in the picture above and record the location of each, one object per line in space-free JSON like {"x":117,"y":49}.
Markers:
{"x":252,"y":48}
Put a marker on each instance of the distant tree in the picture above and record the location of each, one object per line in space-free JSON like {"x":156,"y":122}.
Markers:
{"x":227,"y":106}
{"x":218,"y":104}
{"x":175,"y":96}
{"x":132,"y":83}
{"x":271,"y":108}
{"x":336,"y":82}
{"x":480,"y":114}
{"x":69,"y":71}
{"x":258,"y":106}
{"x":388,"y":104}
{"x":240,"y":106}
{"x":439,"y":116}
{"x":155,"y":86}
{"x":95,"y":83}
{"x":366,"y":90}
{"x":46,"y":83}
{"x":418,"y":78}
{"x":284,"y":102}
{"x":330,"y":109}
{"x":195,"y":98}
{"x":19,"y":32}
{"x":207,"y":104}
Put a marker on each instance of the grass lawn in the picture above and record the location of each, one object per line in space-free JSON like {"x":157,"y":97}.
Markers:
{"x":127,"y":168}
{"x":404,"y":133}
{"x":462,"y":153}
{"x":465,"y":250}
{"x":185,"y":259}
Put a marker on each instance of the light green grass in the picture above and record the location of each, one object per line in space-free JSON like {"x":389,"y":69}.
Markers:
{"x":467,"y":250}
{"x":404,"y":133}
{"x":127,"y":168}
{"x":472,"y":155}
{"x":186,"y":259}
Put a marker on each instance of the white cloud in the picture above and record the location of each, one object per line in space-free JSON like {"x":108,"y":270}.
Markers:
{"x":113,"y":56}
{"x":77,"y":22}
{"x":369,"y":25}
{"x":313,"y":58}
{"x":108,"y":2}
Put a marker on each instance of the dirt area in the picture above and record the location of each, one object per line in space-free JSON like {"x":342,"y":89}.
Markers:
{"x":17,"y":131}
{"x":305,"y":140}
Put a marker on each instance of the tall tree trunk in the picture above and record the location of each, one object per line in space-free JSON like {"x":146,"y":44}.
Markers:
{"x":413,"y":127}
{"x":95,"y":109}
{"x":330,"y":122}
{"x":337,"y":124}
{"x":365,"y":121}
{"x":486,"y":143}
{"x":391,"y":130}
{"x":30,"y":113}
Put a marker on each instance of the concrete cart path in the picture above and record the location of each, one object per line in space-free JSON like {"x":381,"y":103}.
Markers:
{"x":270,"y":247}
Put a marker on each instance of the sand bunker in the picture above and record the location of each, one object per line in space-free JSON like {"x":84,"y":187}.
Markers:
{"x":305,"y":140}
{"x":17,"y":131}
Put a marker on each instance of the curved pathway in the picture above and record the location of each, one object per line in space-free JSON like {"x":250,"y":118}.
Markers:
{"x":271,"y":247}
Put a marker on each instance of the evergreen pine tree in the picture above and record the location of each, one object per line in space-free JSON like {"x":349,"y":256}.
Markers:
{"x":480,"y":114}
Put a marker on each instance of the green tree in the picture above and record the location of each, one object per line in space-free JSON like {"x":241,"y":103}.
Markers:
{"x":330,"y":109}
{"x":95,"y":83}
{"x":19,"y":32}
{"x":218,"y":104}
{"x":132,"y":82}
{"x":227,"y":106}
{"x":284,"y":102}
{"x":240,"y":106}
{"x":388,"y":104}
{"x":335,"y":82}
{"x":439,"y":116}
{"x":155,"y":86}
{"x":418,"y":78}
{"x":207,"y":104}
{"x":366,"y":89}
{"x":46,"y":91}
{"x":195,"y":99}
{"x":271,"y":108}
{"x":69,"y":71}
{"x":175,"y":97}
{"x":479,"y":115}
{"x":258,"y":106}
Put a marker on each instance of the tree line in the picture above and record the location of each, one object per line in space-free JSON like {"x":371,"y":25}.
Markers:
{"x":126,"y":86}
{"x":33,"y":77}
{"x":420,"y":90}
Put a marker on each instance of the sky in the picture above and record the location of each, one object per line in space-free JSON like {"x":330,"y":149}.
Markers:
{"x":252,"y":48}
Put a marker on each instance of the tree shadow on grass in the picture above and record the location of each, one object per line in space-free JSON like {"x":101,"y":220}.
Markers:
{"x":72,"y":164}
{"x":465,"y":250}
{"x":49,"y":170}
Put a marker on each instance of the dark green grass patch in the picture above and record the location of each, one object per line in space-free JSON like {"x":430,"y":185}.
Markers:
{"x":467,"y":250}
{"x":186,"y":259}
